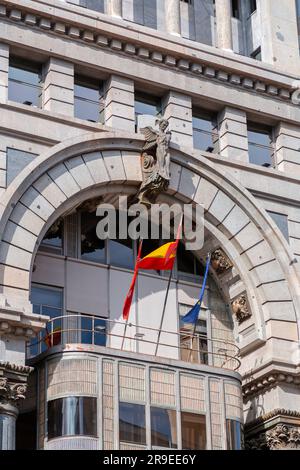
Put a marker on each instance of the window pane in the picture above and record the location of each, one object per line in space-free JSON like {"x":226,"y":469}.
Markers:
{"x":17,"y":160}
{"x":45,"y":296}
{"x":143,"y":107}
{"x":260,"y":155}
{"x":163,"y":428}
{"x":92,"y":249}
{"x":121,"y":253}
{"x":132,"y":423}
{"x":202,"y":141}
{"x":259,"y":138}
{"x":72,"y":416}
{"x":100,"y":332}
{"x":24,"y":80}
{"x":53,"y":240}
{"x":86,"y":110}
{"x":87,"y":99}
{"x":31,"y":77}
{"x":23,"y":93}
{"x":193,"y":429}
{"x":86,"y":330}
{"x":203,"y":124}
{"x":234,"y":433}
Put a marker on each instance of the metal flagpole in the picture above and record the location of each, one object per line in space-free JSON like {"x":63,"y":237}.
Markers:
{"x":163,"y":312}
{"x":168,"y":288}
{"x":126,"y":324}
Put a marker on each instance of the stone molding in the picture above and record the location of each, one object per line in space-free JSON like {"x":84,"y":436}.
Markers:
{"x":255,"y":387}
{"x":281,"y":437}
{"x":273,"y":414}
{"x":98,"y":38}
{"x":240,"y":308}
{"x":13,"y":382}
{"x":220,"y":261}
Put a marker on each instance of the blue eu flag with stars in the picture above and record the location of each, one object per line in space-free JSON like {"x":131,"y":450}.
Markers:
{"x":192,"y":315}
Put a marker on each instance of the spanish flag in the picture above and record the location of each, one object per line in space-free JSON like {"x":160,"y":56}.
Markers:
{"x":128,"y":300}
{"x":161,"y":259}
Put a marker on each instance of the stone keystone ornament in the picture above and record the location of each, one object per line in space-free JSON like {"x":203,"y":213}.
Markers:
{"x":155,"y":162}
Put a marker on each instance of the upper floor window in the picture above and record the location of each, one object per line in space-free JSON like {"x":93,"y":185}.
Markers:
{"x":235,"y":8}
{"x":281,"y":220}
{"x":252,"y":6}
{"x":88,"y":99}
{"x":145,"y":106}
{"x":261,"y":150}
{"x":205,"y":132}
{"x":97,"y":5}
{"x":16,"y":160}
{"x":25,"y":82}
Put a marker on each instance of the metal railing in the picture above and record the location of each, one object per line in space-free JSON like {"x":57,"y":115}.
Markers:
{"x":96,"y":331}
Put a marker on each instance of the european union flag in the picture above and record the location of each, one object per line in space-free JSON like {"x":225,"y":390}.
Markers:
{"x":192,"y":315}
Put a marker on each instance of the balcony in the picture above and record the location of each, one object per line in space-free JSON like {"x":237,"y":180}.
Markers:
{"x":88,"y":333}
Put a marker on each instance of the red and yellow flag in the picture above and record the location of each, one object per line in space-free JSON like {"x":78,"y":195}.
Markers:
{"x":161,"y":259}
{"x":128,"y":300}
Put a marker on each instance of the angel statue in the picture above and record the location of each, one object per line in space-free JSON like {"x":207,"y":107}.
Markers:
{"x":155,"y":162}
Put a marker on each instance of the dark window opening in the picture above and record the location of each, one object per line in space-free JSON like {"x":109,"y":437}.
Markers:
{"x":53,"y":240}
{"x":26,"y":431}
{"x":72,"y":416}
{"x":92,"y":248}
{"x":261,"y":150}
{"x":205,"y":131}
{"x":235,"y":8}
{"x":88,"y":99}
{"x":163,"y":428}
{"x":253,"y":6}
{"x":132,"y":423}
{"x":25,"y":82}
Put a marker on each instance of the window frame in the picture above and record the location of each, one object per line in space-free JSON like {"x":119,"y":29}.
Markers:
{"x":205,"y":115}
{"x":29,"y":66}
{"x":263,"y":130}
{"x":92,"y":84}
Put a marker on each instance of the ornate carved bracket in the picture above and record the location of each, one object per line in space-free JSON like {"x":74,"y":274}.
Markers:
{"x":240,"y":308}
{"x":280,"y":437}
{"x":220,"y":262}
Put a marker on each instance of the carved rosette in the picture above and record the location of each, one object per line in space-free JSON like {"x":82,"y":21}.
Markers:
{"x":220,"y":262}
{"x":280,"y":437}
{"x":240,"y":308}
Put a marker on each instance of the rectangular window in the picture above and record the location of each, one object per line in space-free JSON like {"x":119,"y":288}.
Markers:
{"x":25,"y":82}
{"x":88,"y":99}
{"x":163,"y":428}
{"x":235,"y":8}
{"x":145,"y":106}
{"x":72,"y":416}
{"x":253,"y":6}
{"x":53,"y":240}
{"x":261,"y":150}
{"x":16,"y":161}
{"x":281,"y":221}
{"x":96,"y":5}
{"x":193,"y":430}
{"x":92,"y":248}
{"x":234,"y":435}
{"x":205,"y":132}
{"x":132,"y":423}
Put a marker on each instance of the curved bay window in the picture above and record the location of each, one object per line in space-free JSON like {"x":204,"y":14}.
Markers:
{"x":234,"y":435}
{"x":72,"y":416}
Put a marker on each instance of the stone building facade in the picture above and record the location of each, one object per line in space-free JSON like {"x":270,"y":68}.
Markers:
{"x":78,"y":80}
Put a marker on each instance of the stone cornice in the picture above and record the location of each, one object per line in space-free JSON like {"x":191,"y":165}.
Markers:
{"x":273,"y":379}
{"x":272,"y":414}
{"x":19,"y":323}
{"x":34,"y":15}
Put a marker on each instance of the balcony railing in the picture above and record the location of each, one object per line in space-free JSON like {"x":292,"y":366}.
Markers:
{"x":95,"y":331}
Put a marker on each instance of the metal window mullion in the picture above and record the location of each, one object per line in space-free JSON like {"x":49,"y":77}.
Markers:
{"x":178,"y":410}
{"x":116,"y":405}
{"x":100,"y":404}
{"x":223,"y":414}
{"x":148,"y":406}
{"x":208,"y":414}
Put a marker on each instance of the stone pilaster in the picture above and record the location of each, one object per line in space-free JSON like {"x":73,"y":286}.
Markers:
{"x":177,"y":109}
{"x":233,"y":136}
{"x":119,"y":103}
{"x":58,"y":94}
{"x":287,"y":148}
{"x":224,"y":27}
{"x":279,"y":35}
{"x":114,"y":8}
{"x":13,"y":385}
{"x":4,"y":64}
{"x":172,"y":14}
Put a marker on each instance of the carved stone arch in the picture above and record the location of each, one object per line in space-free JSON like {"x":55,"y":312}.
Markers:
{"x":80,"y":168}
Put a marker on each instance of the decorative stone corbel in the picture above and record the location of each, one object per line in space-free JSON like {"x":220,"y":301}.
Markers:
{"x":220,"y":262}
{"x":241,"y":309}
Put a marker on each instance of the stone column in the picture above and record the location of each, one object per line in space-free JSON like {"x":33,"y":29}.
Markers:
{"x":224,"y":28}
{"x":177,"y":108}
{"x":8,"y":417}
{"x":58,"y":94}
{"x":4,"y":63}
{"x":13,"y":385}
{"x":172,"y":14}
{"x":114,"y":8}
{"x":233,"y":135}
{"x":119,"y":103}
